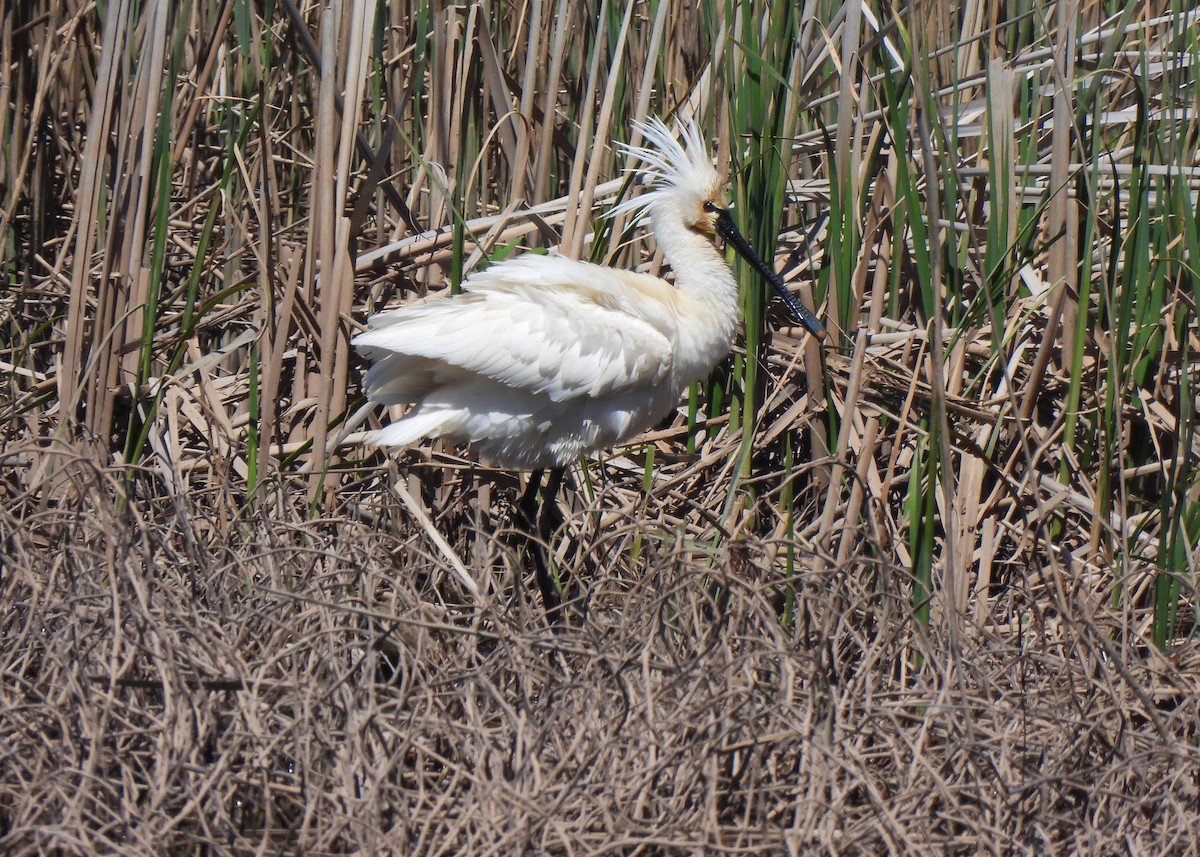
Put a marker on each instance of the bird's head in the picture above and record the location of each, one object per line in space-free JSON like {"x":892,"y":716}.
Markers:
{"x":686,"y":187}
{"x":688,"y":191}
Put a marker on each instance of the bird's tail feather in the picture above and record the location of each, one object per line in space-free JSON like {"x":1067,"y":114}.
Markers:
{"x":412,"y":428}
{"x":397,"y":379}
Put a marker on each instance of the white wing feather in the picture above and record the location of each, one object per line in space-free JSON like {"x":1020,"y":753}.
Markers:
{"x":530,"y":323}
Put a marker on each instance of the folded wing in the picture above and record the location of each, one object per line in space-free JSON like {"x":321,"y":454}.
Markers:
{"x":542,"y":324}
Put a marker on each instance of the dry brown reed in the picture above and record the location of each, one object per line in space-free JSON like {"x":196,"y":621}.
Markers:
{"x":175,"y":684}
{"x":226,"y":630}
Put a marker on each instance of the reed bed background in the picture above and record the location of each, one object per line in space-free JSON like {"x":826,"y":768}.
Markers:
{"x":931,"y":585}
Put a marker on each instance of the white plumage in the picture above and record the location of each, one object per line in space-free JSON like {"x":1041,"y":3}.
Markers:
{"x":542,"y":359}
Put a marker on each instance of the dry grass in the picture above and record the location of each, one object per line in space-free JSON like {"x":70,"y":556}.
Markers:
{"x":930,"y":588}
{"x":176,"y":684}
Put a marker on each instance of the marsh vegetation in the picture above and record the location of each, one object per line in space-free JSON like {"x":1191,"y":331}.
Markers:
{"x":930,"y":586}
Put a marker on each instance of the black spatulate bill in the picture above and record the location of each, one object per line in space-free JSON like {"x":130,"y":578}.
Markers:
{"x":799,"y":313}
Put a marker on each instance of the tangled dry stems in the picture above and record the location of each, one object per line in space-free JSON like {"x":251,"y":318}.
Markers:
{"x":191,"y":664}
{"x":176,"y":682}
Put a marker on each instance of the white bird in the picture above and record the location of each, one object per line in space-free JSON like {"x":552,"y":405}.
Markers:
{"x":543,"y":359}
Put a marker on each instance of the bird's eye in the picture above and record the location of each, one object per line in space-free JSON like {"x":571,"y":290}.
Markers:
{"x":711,"y":207}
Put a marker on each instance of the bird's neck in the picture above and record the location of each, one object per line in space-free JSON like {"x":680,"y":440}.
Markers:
{"x":700,"y":269}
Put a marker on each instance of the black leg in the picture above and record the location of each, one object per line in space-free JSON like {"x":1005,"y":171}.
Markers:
{"x":538,"y":521}
{"x":551,"y":521}
{"x":527,"y":506}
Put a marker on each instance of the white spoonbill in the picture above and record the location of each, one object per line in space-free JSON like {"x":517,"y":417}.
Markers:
{"x":542,"y":359}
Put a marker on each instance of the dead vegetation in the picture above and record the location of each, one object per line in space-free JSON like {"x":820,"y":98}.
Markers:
{"x":305,"y":687}
{"x":932,"y":587}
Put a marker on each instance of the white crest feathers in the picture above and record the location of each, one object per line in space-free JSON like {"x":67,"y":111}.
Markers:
{"x":669,"y":165}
